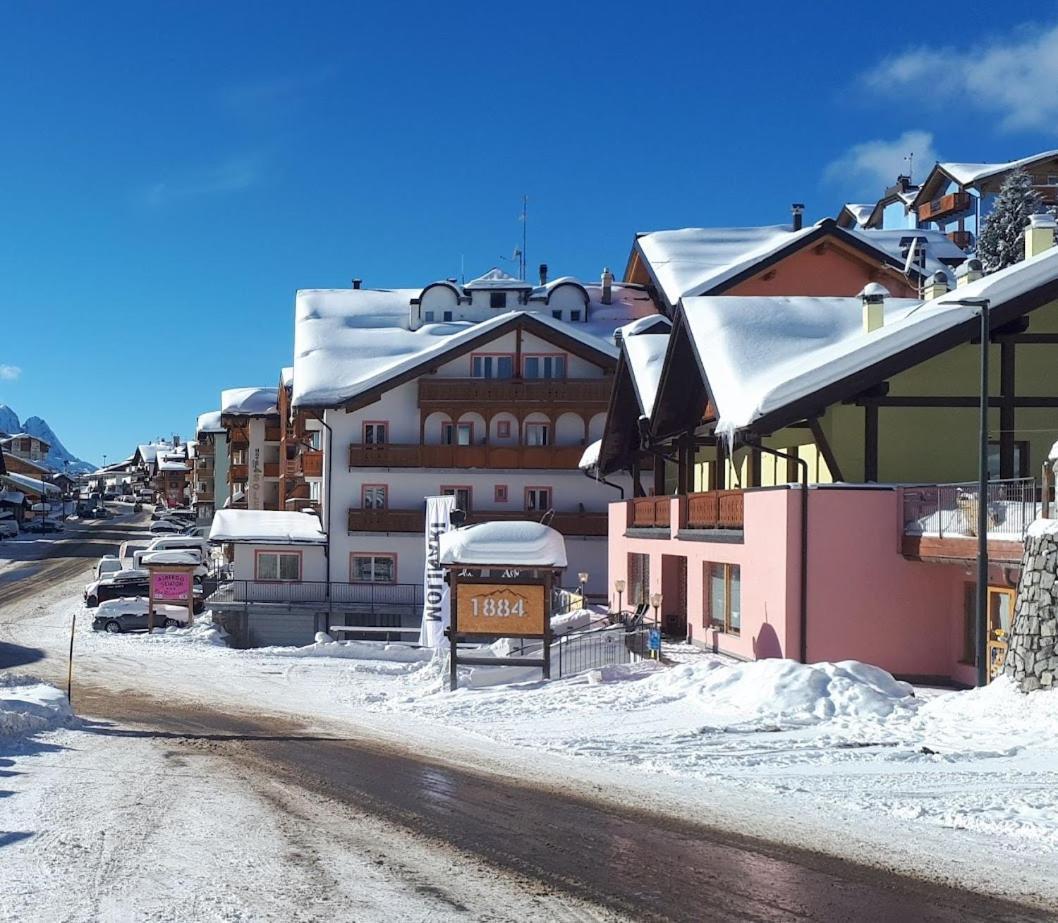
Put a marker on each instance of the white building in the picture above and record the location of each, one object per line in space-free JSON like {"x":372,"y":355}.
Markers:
{"x":489,"y":391}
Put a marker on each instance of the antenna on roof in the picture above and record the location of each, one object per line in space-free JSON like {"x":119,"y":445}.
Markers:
{"x":525,"y":224}
{"x":910,"y":158}
{"x":462,"y":269}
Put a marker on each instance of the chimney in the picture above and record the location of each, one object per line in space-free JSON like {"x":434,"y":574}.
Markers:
{"x":873,"y":297}
{"x":936,"y":286}
{"x":970,"y":271}
{"x":607,"y":286}
{"x":357,"y":283}
{"x":543,"y":273}
{"x":798,"y":210}
{"x":1039,"y":235}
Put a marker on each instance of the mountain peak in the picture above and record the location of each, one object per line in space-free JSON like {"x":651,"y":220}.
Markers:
{"x":58,"y":458}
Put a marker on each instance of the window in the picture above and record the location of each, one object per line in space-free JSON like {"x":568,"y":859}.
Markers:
{"x":315,"y":488}
{"x":373,"y":496}
{"x":375,"y":433}
{"x":537,"y":499}
{"x":574,"y":316}
{"x":238,"y":457}
{"x":1021,"y":459}
{"x":638,"y":579}
{"x":457,"y":433}
{"x":462,"y":495}
{"x":501,"y":493}
{"x":557,"y":315}
{"x":427,"y":317}
{"x":372,"y":568}
{"x":447,"y":316}
{"x":492,"y":366}
{"x":723,"y":598}
{"x":545,"y":366}
{"x":497,"y":299}
{"x":503,"y":429}
{"x":314,"y":439}
{"x":538,"y":434}
{"x":278,"y":566}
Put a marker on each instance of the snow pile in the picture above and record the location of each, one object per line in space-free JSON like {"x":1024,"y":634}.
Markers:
{"x":28,"y":706}
{"x":789,"y":693}
{"x":389,"y":651}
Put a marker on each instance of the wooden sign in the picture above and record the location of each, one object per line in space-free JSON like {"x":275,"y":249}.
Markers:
{"x":171,"y":584}
{"x":501,"y":609}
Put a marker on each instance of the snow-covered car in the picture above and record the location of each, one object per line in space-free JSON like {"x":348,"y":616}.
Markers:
{"x":166,"y":527}
{"x":8,"y":528}
{"x":125,"y":584}
{"x":42,"y":525}
{"x":118,"y":615}
{"x":107,"y":565}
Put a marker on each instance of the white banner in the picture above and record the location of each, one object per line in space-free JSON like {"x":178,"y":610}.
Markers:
{"x":435,"y":611}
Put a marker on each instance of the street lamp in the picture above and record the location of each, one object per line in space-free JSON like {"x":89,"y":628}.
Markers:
{"x":619,"y":586}
{"x":981,"y":627}
{"x":582,"y":579}
{"x":655,"y":601}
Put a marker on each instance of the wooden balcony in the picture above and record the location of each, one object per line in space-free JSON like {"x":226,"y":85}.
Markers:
{"x":237,"y":474}
{"x":715,"y":509}
{"x":271,"y":469}
{"x":310,"y":463}
{"x":571,"y":393}
{"x":238,"y":436}
{"x":465,"y":456}
{"x":962,"y":239}
{"x":947,"y":206}
{"x":272,"y":433}
{"x":651,"y":512}
{"x":415,"y":520}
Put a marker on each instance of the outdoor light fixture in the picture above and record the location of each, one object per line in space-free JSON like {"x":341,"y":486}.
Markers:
{"x":655,"y":601}
{"x":619,"y":586}
{"x":981,"y":628}
{"x":582,"y":578}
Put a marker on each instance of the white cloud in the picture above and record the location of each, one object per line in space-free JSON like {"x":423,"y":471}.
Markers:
{"x":872,"y":166}
{"x":9,"y":372}
{"x":1014,"y":77}
{"x":232,"y":175}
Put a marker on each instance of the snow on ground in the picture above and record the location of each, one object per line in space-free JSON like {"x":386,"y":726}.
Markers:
{"x":28,"y":706}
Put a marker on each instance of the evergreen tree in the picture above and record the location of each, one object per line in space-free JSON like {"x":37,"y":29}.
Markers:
{"x":1002,"y":240}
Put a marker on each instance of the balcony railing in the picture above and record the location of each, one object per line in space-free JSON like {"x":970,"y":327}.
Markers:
{"x":945,"y":206}
{"x":310,"y":463}
{"x":508,"y":392}
{"x":238,"y":474}
{"x":272,"y":433}
{"x":951,"y":510}
{"x":651,"y":512}
{"x":716,"y":509}
{"x":393,"y":520}
{"x":271,"y":469}
{"x":465,"y":456}
{"x":962,"y":239}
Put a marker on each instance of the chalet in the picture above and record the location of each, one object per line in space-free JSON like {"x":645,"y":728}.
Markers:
{"x":488,"y":390}
{"x":26,"y":446}
{"x":812,"y":493}
{"x":820,"y":259}
{"x":250,"y":417}
{"x":300,"y":452}
{"x":172,"y":476}
{"x":955,"y":198}
{"x":210,"y":478}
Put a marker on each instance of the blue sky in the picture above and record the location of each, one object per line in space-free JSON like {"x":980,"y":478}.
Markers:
{"x":172,"y":173}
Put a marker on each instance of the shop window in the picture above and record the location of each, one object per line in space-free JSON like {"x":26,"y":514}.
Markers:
{"x":372,"y":568}
{"x":277,"y":566}
{"x":723,"y":598}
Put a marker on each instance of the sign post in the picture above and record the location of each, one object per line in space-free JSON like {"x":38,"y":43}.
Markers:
{"x":172,"y":584}
{"x":511,"y":605}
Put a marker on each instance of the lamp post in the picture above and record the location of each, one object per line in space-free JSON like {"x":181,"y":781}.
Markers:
{"x":619,"y":586}
{"x":981,"y":626}
{"x":655,"y":601}
{"x":582,"y":579}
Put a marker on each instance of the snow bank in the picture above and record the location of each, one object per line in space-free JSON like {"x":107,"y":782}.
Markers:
{"x":787,"y":692}
{"x":354,"y":650}
{"x":28,"y":706}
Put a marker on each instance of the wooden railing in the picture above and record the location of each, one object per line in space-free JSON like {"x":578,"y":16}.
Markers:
{"x":575,"y":392}
{"x":310,"y":463}
{"x":238,"y":473}
{"x":950,"y":204}
{"x":651,"y":512}
{"x":271,"y":469}
{"x":465,"y":456}
{"x":715,"y":509}
{"x":272,"y":433}
{"x":391,"y":520}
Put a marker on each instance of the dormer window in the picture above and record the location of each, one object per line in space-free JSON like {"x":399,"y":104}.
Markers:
{"x":497,"y":299}
{"x":427,"y":317}
{"x":447,"y":316}
{"x":557,"y":315}
{"x":574,"y":316}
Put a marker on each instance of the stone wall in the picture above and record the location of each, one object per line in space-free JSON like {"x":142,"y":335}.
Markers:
{"x":1032,"y":661}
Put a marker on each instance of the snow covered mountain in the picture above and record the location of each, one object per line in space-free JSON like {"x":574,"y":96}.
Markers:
{"x":35,"y":426}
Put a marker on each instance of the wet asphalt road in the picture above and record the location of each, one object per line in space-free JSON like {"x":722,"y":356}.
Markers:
{"x":627,"y":862}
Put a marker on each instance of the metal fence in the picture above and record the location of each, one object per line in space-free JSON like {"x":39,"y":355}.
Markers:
{"x":394,"y":597}
{"x":951,"y":510}
{"x":594,"y":648}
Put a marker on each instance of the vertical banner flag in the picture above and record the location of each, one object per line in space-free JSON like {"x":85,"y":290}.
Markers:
{"x":435,"y":601}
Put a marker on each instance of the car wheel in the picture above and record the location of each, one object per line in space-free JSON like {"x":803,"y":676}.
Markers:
{"x":172,"y":623}
{"x":113,"y":628}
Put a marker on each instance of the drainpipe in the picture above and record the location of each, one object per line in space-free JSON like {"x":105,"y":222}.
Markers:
{"x":803,"y":465}
{"x":602,"y":480}
{"x":327,"y":499}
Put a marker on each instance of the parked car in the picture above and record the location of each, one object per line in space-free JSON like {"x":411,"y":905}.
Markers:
{"x":8,"y":528}
{"x":119,"y":615}
{"x":166,"y":526}
{"x":42,"y":525}
{"x":108,"y":564}
{"x":124,"y":584}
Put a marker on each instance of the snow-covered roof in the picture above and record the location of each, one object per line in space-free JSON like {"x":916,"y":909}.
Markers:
{"x":761,"y":354}
{"x":347,"y":341}
{"x":530,"y":544}
{"x":286,"y":376}
{"x":590,"y":458}
{"x":941,"y":253}
{"x":646,"y":357}
{"x":970,"y":173}
{"x":6,"y":439}
{"x":209,"y":422}
{"x":172,"y":556}
{"x":644,"y":324}
{"x":266,"y":527}
{"x":30,"y":485}
{"x":12,"y":496}
{"x":249,"y":402}
{"x":860,"y":213}
{"x":172,"y":463}
{"x":497,"y":278}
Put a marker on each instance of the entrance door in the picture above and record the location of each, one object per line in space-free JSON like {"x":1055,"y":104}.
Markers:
{"x":1000,"y":619}
{"x":674,"y":595}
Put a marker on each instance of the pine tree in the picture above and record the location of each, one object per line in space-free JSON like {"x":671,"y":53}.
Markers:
{"x":1002,"y":241}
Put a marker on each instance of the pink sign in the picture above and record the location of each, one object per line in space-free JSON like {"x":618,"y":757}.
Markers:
{"x":170,"y":586}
